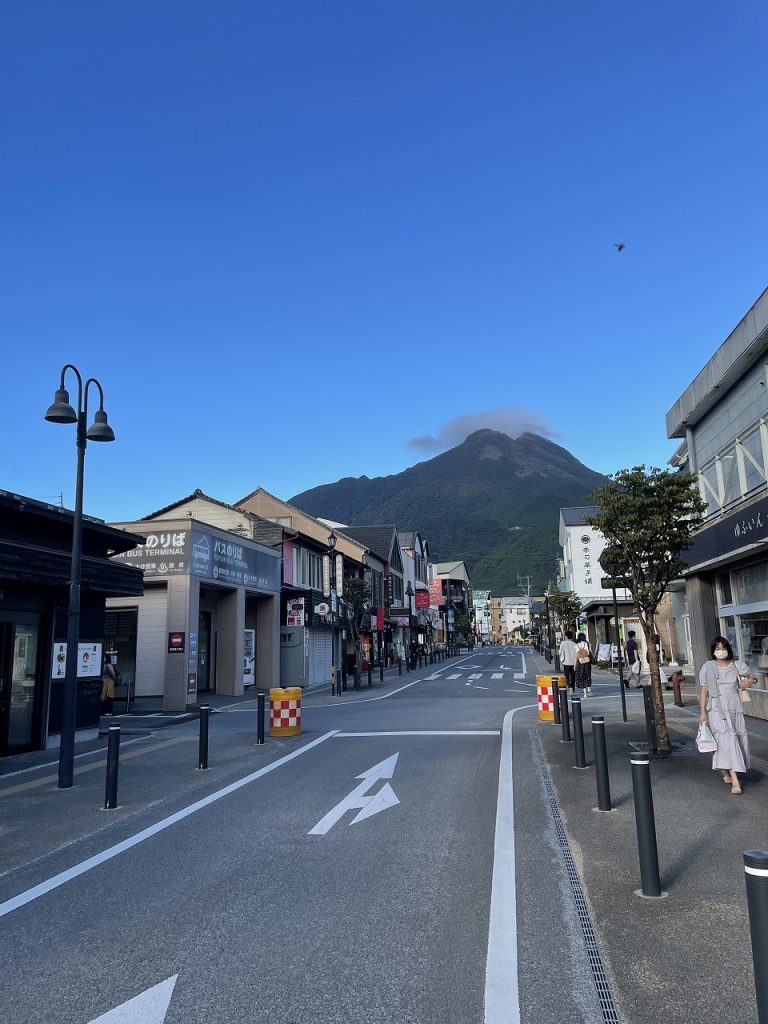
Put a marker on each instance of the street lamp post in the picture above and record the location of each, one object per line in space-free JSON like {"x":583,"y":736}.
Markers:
{"x":62,"y":412}
{"x":409,"y":595}
{"x":332,"y":581}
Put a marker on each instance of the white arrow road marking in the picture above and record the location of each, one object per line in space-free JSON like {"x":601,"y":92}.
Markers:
{"x":378,"y":802}
{"x":497,"y":675}
{"x":149,"y":1007}
{"x":369,"y":804}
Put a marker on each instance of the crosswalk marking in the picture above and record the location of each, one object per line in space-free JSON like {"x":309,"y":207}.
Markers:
{"x":497,"y":675}
{"x":476,"y":675}
{"x":456,"y":675}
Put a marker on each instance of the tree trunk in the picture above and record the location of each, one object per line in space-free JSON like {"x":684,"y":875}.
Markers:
{"x":659,"y":714}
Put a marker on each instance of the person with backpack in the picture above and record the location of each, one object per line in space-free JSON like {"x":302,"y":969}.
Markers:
{"x":584,"y":664}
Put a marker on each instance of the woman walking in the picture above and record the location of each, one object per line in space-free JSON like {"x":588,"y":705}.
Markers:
{"x":721,"y":679}
{"x":583,"y":665}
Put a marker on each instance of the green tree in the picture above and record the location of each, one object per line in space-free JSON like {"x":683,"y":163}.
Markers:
{"x":648,"y":518}
{"x":357,"y":596}
{"x":565,"y":606}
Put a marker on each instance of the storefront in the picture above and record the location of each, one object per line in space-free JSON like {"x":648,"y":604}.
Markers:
{"x":727,"y":588}
{"x":35,"y":566}
{"x":209,"y":618}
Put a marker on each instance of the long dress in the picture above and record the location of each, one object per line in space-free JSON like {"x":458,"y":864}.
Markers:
{"x":583,"y":672}
{"x":726,"y":719}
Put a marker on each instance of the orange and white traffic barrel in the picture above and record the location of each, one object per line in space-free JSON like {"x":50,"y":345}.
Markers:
{"x":285,"y":711}
{"x":544,"y":698}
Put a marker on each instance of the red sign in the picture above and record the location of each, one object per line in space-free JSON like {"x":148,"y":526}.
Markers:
{"x":379,"y":618}
{"x":436,"y":593}
{"x":422,"y":599}
{"x":176,"y":643}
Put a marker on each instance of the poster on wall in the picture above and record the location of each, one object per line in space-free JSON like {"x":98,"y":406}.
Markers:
{"x":88,"y":661}
{"x":295,"y":612}
{"x":249,"y":657}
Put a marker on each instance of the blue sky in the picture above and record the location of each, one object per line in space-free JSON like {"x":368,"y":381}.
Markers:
{"x":293,"y":238}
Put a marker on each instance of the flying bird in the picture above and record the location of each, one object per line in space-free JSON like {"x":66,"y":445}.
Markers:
{"x":620,"y":245}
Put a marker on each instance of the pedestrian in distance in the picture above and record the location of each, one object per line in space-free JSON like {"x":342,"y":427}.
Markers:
{"x":583,"y":665}
{"x":634,"y":662}
{"x":108,"y":677}
{"x":722,"y":680}
{"x":567,"y":656}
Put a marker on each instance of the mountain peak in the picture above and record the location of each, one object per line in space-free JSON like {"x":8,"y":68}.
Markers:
{"x":493,"y":501}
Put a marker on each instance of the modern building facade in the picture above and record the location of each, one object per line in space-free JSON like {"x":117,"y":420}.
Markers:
{"x":208,"y":620}
{"x":722,"y":417}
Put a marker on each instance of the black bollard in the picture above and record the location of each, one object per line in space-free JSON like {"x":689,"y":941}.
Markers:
{"x":202,"y":750}
{"x":555,"y":698}
{"x":564,"y":717}
{"x":601,"y":765}
{"x":650,"y":884}
{"x":113,"y":762}
{"x":578,"y":733}
{"x":756,"y":878}
{"x":370,"y":670}
{"x":381,"y":669}
{"x":399,"y":666}
{"x":261,"y":703}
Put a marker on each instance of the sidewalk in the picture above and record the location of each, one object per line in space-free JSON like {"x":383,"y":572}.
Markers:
{"x":687,"y":957}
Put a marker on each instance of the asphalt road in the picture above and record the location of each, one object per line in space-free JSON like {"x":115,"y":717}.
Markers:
{"x":364,"y":872}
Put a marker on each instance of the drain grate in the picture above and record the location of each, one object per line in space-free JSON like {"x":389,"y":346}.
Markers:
{"x":599,"y":974}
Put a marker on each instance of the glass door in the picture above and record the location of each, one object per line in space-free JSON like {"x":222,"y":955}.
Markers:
{"x":18,"y":685}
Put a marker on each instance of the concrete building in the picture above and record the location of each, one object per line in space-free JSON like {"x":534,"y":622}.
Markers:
{"x":208,"y":620}
{"x":722,"y":417}
{"x":313,"y":633}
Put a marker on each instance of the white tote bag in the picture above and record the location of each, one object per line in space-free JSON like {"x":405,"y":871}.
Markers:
{"x":705,"y":741}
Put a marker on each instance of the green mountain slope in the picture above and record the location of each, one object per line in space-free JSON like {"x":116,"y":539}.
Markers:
{"x":492,"y":501}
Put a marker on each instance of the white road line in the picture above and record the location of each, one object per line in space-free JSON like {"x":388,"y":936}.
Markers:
{"x":497,"y":675}
{"x":363,"y":700}
{"x":519,"y":675}
{"x":113,"y":851}
{"x":476,"y":675}
{"x":502,"y":1000}
{"x":522,"y":655}
{"x":422,"y":732}
{"x":456,"y":675}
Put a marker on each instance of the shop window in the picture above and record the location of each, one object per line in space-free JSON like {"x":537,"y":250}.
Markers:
{"x":751,"y":584}
{"x":754,"y":643}
{"x":728,"y":630}
{"x":724,"y":588}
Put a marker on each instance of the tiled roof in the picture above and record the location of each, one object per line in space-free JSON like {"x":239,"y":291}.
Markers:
{"x":377,"y":538}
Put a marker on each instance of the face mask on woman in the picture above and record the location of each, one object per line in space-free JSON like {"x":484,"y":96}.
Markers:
{"x":721,"y":654}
